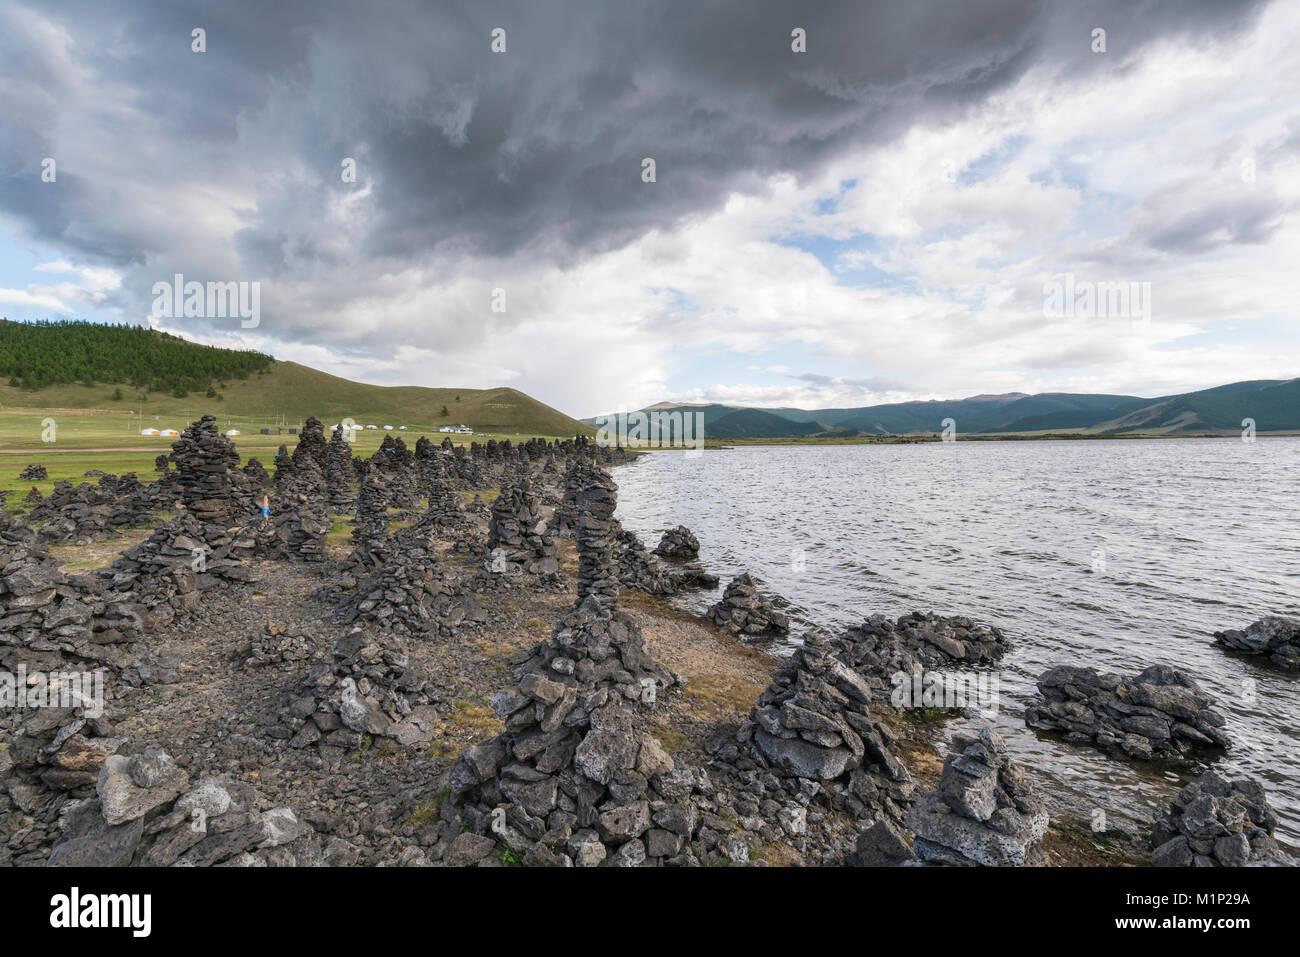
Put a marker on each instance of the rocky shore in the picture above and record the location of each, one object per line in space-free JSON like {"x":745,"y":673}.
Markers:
{"x":499,"y":684}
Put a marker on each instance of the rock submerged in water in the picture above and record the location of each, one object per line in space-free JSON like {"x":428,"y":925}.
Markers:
{"x":1159,"y":713}
{"x":1273,"y":636}
{"x":1214,"y":822}
{"x":742,"y":610}
{"x":678,"y":543}
{"x":983,"y":812}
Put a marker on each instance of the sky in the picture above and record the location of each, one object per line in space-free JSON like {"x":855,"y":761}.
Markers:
{"x":877,"y":217}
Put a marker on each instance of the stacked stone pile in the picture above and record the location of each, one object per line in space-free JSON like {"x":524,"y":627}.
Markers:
{"x":814,"y":724}
{"x":642,"y":570}
{"x":211,"y":485}
{"x":919,"y":641}
{"x":598,"y":569}
{"x":678,"y":543}
{"x":410,"y":593}
{"x":73,"y":513}
{"x":444,"y":513}
{"x":52,"y":619}
{"x":983,"y":812}
{"x":564,"y":520}
{"x":371,"y":542}
{"x":283,"y":464}
{"x":1272,"y":637}
{"x":276,"y":644}
{"x":257,"y":475}
{"x":161,"y":464}
{"x":134,"y":505}
{"x":1159,"y":713}
{"x":743,"y":610}
{"x":576,"y":778}
{"x":1214,"y":822}
{"x":366,"y":688}
{"x":298,"y":523}
{"x":33,"y":497}
{"x":33,"y":473}
{"x":517,"y":538}
{"x":311,"y":453}
{"x":147,"y":813}
{"x":339,"y":473}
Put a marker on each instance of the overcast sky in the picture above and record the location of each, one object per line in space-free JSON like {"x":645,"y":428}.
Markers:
{"x":871,"y":220}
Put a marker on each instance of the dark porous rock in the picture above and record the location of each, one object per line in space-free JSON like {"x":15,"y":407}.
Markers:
{"x":1273,"y":637}
{"x":678,"y":543}
{"x":518,"y":542}
{"x":148,"y":815}
{"x":1215,"y":822}
{"x":811,"y":759}
{"x":339,"y":474}
{"x":1160,"y":713}
{"x":919,"y":641}
{"x":983,"y":812}
{"x":742,"y":610}
{"x":33,"y":473}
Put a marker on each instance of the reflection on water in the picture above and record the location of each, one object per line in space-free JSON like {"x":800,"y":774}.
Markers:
{"x":1112,"y":554}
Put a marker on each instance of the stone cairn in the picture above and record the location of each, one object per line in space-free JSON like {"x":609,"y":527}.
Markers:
{"x":299,"y":525}
{"x":199,"y":547}
{"x":1214,"y":822}
{"x":564,"y":520}
{"x":33,"y":473}
{"x":598,"y":571}
{"x":1160,"y":713}
{"x":517,"y":538}
{"x":52,"y":619}
{"x":365,"y":688}
{"x":576,"y":778}
{"x":145,"y":813}
{"x":642,"y":570}
{"x":411,"y":592}
{"x":283,"y":464}
{"x":311,"y":453}
{"x":742,"y":610}
{"x":73,"y":513}
{"x":257,"y":474}
{"x":811,"y":741}
{"x":396,"y":463}
{"x":161,"y":463}
{"x":678,"y":543}
{"x":444,"y":513}
{"x":339,"y":473}
{"x":370,"y":536}
{"x":1273,"y":637}
{"x":983,"y":812}
{"x":33,"y":497}
{"x":134,"y":505}
{"x":881,"y":649}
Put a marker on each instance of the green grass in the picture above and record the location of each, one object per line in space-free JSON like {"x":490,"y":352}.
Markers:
{"x":290,"y":392}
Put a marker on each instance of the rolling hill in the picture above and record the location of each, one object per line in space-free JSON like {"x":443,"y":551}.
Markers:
{"x":272,"y":390}
{"x":1273,"y":404}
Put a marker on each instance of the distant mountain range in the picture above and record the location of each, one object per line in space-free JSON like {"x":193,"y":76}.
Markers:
{"x":1274,"y":405}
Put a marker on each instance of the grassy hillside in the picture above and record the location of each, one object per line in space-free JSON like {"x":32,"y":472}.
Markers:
{"x":289,"y":392}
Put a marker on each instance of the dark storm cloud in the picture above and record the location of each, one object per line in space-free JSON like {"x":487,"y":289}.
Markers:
{"x":536,"y":151}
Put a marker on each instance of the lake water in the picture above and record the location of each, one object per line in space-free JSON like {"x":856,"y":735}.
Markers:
{"x":1112,"y":554}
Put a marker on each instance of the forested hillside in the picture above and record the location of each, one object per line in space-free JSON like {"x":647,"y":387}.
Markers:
{"x":38,"y":354}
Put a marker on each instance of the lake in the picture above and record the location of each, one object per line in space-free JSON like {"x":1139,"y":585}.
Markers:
{"x":1115,"y":554}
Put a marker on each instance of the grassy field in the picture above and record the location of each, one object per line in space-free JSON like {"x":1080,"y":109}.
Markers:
{"x":288,"y":393}
{"x":86,"y":439}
